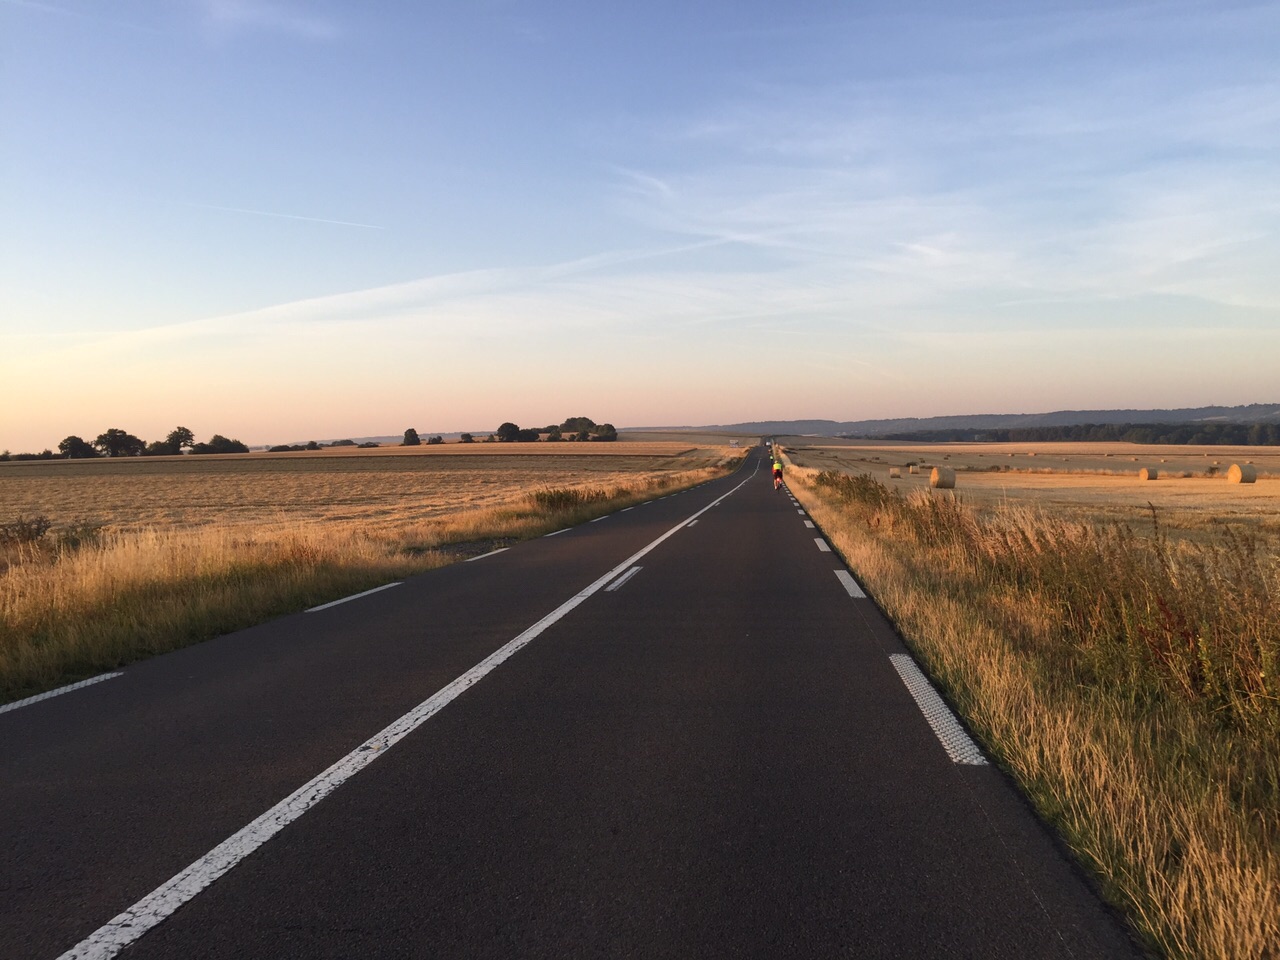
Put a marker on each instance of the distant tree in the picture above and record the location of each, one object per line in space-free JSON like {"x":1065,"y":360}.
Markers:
{"x":411,"y":438}
{"x":466,"y":438}
{"x":605,"y":431}
{"x":118,"y":443}
{"x":181,"y":437}
{"x":577,"y":425}
{"x":508,"y":433}
{"x":343,"y":443}
{"x":312,"y":445}
{"x":554,"y":434}
{"x":74,"y":448}
{"x":531,"y":435}
{"x":220,"y":444}
{"x":434,"y":440}
{"x":368,"y":445}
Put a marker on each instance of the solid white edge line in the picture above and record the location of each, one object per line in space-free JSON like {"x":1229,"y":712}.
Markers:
{"x":941,"y":720}
{"x":27,"y":701}
{"x":850,"y":584}
{"x":149,"y":912}
{"x":621,"y":580}
{"x":822,"y":544}
{"x":354,"y":596}
{"x":491,"y":553}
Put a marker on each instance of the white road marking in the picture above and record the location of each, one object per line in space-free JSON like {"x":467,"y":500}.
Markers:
{"x":58,"y":692}
{"x":850,"y":584}
{"x":944,"y":723}
{"x":822,"y":544}
{"x":491,"y":553}
{"x":625,"y":509}
{"x":354,"y":596}
{"x":691,"y":523}
{"x":621,"y":580}
{"x":809,"y":524}
{"x":153,"y":909}
{"x":801,"y":512}
{"x":556,"y":533}
{"x":598,"y":519}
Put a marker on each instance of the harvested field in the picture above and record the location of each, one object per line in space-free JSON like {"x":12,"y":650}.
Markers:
{"x":1081,"y":480}
{"x":383,"y":485}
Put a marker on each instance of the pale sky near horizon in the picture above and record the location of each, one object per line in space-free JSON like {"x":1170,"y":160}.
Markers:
{"x":281,"y":220}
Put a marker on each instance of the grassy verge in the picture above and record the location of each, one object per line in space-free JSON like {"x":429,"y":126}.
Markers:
{"x":79,"y":600}
{"x":1128,"y":682}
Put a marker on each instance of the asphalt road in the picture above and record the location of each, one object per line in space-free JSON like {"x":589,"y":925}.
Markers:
{"x":695,"y":739}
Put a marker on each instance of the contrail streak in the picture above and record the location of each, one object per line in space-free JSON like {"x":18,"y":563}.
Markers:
{"x":286,"y":216}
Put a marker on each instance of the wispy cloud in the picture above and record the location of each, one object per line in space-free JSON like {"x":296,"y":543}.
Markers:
{"x":283,"y":216}
{"x":262,"y":15}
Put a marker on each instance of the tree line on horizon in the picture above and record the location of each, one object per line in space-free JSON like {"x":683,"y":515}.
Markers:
{"x":115,"y":442}
{"x":572,"y":429}
{"x":1191,"y":434}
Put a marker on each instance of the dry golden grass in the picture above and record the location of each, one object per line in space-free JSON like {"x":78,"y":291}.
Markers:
{"x":1127,"y":683}
{"x":148,"y":555}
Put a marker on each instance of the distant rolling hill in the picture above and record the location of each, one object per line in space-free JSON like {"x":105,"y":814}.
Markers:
{"x":1251,"y":413}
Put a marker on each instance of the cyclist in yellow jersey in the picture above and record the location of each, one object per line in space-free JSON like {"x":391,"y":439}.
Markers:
{"x":777,"y":474}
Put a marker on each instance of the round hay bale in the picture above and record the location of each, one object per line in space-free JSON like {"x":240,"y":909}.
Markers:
{"x":913,"y":469}
{"x":1242,"y":473}
{"x":894,"y":473}
{"x":1148,"y":473}
{"x":944,"y":478}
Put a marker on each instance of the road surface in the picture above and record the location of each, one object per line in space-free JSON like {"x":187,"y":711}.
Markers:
{"x":677,"y":731}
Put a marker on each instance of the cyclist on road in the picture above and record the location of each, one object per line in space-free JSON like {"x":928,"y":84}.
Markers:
{"x":777,"y":473}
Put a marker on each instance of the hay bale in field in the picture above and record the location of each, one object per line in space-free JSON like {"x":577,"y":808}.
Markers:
{"x":1148,"y":473}
{"x":944,"y":478}
{"x":894,"y":473}
{"x":1242,"y":473}
{"x":913,"y":469}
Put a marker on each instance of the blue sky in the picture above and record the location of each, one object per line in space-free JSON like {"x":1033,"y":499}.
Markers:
{"x":286,"y":220}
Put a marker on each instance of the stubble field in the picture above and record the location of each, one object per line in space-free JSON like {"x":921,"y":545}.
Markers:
{"x":395,"y":485}
{"x":1077,"y":480}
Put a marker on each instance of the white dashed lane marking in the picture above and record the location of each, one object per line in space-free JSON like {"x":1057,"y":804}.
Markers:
{"x":944,"y":723}
{"x":822,"y":544}
{"x":357,"y":596}
{"x":491,"y":553}
{"x":850,"y":584}
{"x":809,"y":524}
{"x":58,"y":692}
{"x":621,"y":580}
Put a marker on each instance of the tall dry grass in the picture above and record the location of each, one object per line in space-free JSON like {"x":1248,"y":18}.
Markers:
{"x":1127,"y":680}
{"x":86,"y":598}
